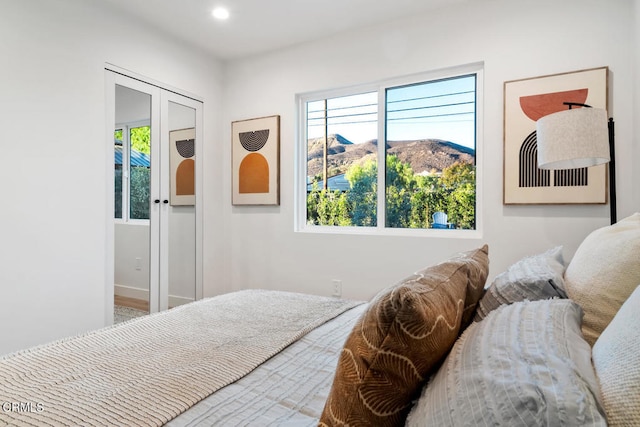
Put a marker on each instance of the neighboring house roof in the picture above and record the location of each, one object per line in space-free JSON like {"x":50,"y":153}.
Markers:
{"x":337,"y":182}
{"x":137,"y":158}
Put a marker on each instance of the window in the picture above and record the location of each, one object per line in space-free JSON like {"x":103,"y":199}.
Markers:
{"x":424,"y":174}
{"x":132,"y":172}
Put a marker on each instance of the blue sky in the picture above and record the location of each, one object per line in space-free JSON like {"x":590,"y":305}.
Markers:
{"x":441,"y":109}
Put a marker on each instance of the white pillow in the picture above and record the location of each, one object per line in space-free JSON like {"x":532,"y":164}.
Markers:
{"x":616,"y":358}
{"x":603,"y":272}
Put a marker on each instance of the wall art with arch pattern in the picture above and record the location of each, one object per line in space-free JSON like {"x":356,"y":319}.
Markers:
{"x":256,"y":161}
{"x":527,"y":100}
{"x":182,"y":163}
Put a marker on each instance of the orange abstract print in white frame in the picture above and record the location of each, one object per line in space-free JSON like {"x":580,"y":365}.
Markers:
{"x":255,"y":161}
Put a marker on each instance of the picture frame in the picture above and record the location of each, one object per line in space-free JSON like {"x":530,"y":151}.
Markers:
{"x":255,"y":147}
{"x":182,"y":167}
{"x":527,"y":100}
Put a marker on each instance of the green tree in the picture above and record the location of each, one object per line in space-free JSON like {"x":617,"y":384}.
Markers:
{"x":459,"y":182}
{"x":461,"y":208}
{"x":140,"y":189}
{"x":363,"y":193}
{"x":411,"y":199}
{"x":428,"y":198}
{"x":400,"y":187}
{"x":141,"y":139}
{"x":458,"y":173}
{"x":333,"y":208}
{"x":118,"y":191}
{"x":326,"y":207}
{"x":140,"y":182}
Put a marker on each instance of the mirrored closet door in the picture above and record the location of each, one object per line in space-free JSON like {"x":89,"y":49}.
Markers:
{"x":156,"y":183}
{"x":178,"y":261}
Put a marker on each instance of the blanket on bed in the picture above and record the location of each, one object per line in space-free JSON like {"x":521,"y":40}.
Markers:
{"x":147,"y":371}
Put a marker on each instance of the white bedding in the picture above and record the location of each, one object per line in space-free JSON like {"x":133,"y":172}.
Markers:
{"x":149,"y":370}
{"x":289,"y":389}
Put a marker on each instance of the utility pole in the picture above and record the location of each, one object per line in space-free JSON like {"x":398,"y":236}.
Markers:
{"x":325,"y":167}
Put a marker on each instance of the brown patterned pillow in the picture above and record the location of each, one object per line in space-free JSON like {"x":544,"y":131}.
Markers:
{"x":402,"y":336}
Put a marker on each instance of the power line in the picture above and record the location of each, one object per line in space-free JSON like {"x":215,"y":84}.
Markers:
{"x":343,"y":108}
{"x":432,"y":106}
{"x":342,"y":116}
{"x":431,"y":96}
{"x":345,"y":123}
{"x":403,"y":118}
{"x":397,"y":101}
{"x":429,"y":116}
{"x":399,"y":110}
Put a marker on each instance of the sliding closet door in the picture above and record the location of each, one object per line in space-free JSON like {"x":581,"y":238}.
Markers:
{"x":181,"y":280}
{"x":154,"y":230}
{"x":136,"y":153}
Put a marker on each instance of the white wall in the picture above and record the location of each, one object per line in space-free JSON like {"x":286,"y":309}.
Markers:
{"x":53,"y":162}
{"x":515,"y":40}
{"x":131,"y":277}
{"x":636,"y":105}
{"x":132,"y":257}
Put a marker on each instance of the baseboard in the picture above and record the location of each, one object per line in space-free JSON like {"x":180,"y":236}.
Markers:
{"x":143,"y":294}
{"x":131,"y":292}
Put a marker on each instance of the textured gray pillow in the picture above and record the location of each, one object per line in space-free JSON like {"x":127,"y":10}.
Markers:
{"x":530,"y":279}
{"x":526,"y":364}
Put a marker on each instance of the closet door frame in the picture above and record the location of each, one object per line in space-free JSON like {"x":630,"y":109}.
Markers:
{"x":161,"y":95}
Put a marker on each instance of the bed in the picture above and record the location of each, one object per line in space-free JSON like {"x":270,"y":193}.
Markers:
{"x":149,"y":370}
{"x":545,"y":343}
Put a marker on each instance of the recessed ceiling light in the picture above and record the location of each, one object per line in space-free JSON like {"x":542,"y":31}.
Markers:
{"x":220,"y":13}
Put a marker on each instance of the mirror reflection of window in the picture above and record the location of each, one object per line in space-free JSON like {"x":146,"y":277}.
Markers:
{"x":139,"y":172}
{"x":118,"y":174}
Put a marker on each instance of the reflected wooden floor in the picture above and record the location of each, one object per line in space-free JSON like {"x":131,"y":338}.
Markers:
{"x":138,"y":304}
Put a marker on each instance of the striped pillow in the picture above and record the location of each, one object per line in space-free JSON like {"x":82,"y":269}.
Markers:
{"x":532,"y":278}
{"x":404,"y":333}
{"x":526,"y":364}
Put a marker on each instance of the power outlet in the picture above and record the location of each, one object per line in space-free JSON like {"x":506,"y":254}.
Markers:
{"x":138,"y":263}
{"x":336,"y":287}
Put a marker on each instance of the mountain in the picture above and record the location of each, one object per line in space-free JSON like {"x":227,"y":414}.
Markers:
{"x":425,"y":155}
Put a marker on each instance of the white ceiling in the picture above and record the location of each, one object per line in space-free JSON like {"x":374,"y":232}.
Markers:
{"x":258,"y":26}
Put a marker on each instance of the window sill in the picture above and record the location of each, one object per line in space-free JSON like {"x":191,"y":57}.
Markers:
{"x":395,"y":232}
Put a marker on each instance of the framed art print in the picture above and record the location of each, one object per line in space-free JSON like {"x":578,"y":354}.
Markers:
{"x":182,"y":165}
{"x":255,"y":155}
{"x":526,"y":101}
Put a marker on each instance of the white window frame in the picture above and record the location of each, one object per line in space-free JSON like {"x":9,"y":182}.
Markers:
{"x":126,"y":172}
{"x":300,"y":164}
